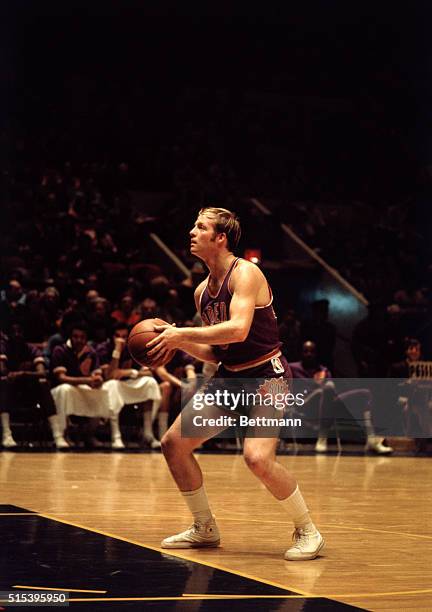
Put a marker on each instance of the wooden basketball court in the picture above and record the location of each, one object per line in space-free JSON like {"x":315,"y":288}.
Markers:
{"x":79,"y":512}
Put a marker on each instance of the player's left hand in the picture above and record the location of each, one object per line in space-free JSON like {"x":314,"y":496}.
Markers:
{"x":168,"y":340}
{"x":144,"y":371}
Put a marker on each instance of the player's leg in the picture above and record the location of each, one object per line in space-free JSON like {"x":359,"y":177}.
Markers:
{"x":326,"y":414}
{"x":8,"y":400}
{"x":359,"y":405}
{"x":178,"y":452}
{"x":260,"y":456}
{"x":166,"y":389}
{"x":148,"y":435}
{"x":42,"y":394}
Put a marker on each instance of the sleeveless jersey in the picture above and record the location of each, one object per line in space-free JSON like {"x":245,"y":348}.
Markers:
{"x":262,"y":342}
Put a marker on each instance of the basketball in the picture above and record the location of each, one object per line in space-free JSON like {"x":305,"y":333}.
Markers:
{"x":138,"y":338}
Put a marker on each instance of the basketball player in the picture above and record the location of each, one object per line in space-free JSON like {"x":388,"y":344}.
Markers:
{"x":240,"y":333}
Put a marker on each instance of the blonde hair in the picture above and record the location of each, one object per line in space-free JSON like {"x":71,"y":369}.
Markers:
{"x":226,"y":222}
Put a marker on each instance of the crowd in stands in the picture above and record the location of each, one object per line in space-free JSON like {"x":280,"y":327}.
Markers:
{"x":79,"y":272}
{"x":77,"y":277}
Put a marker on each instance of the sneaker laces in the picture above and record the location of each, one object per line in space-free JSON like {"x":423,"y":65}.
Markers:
{"x":201,"y":527}
{"x":300,"y":537}
{"x":194,"y":528}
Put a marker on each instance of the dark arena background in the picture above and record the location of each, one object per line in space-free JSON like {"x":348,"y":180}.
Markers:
{"x":119,"y":121}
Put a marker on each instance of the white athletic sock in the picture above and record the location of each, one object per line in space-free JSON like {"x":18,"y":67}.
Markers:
{"x":5,"y":421}
{"x":297,"y":510}
{"x":370,"y":432}
{"x":148,"y":429}
{"x":115,"y":429}
{"x":55,"y":427}
{"x":163,"y":423}
{"x":198,"y":504}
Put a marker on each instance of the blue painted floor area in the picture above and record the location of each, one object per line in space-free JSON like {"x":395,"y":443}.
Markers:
{"x":37,"y":551}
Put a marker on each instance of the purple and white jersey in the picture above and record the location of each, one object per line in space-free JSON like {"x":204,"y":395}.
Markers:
{"x":300,"y":371}
{"x":19,"y":355}
{"x":262,"y":342}
{"x":65,"y":360}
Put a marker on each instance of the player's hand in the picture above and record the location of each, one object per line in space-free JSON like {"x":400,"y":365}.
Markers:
{"x":168,"y":340}
{"x":144,"y":371}
{"x":319,"y":376}
{"x":13,"y":376}
{"x":119,"y":344}
{"x":96,"y":381}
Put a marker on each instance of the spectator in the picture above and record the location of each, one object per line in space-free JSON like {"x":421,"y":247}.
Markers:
{"x":70,"y":316}
{"x":171,"y":311}
{"x":401,"y":369}
{"x":126,"y":313}
{"x":187,"y":287}
{"x":129,"y":383}
{"x":331,"y":404}
{"x":12,"y":303}
{"x":319,"y":329}
{"x":99,"y":321}
{"x":90,"y":297}
{"x":149,"y":308}
{"x":289,"y":333}
{"x":79,"y":388}
{"x":24,"y":382}
{"x":411,"y":398}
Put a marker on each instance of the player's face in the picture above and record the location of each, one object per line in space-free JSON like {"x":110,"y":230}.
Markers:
{"x":78,"y":340}
{"x":413,"y":352}
{"x":309,"y":354}
{"x":121,"y":333}
{"x":202,"y":236}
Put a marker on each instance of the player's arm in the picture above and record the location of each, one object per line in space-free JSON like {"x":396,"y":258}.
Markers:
{"x":95,"y":380}
{"x":246,"y":282}
{"x":166,"y":376}
{"x":59,"y":370}
{"x":202,"y":352}
{"x":112,"y":369}
{"x":35,"y":370}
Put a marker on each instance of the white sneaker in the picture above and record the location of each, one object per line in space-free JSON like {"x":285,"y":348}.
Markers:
{"x":321,"y":445}
{"x":306,"y":545}
{"x":151,"y":442}
{"x":8,"y":441}
{"x":199,"y":535}
{"x":375,"y":445}
{"x":117,"y":444}
{"x":60,"y":443}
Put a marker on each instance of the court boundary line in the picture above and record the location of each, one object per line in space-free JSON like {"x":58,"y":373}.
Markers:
{"x":63,"y":590}
{"x":329,"y":525}
{"x":264,"y":521}
{"x":298,"y":594}
{"x":174,"y":553}
{"x":18,"y":513}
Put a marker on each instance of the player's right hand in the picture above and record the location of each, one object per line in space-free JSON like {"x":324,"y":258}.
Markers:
{"x":119,"y":344}
{"x":96,"y":381}
{"x":145,"y":371}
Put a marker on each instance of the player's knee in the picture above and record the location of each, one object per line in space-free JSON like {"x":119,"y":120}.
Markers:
{"x":257,"y":462}
{"x":165,"y":387}
{"x":169,"y":444}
